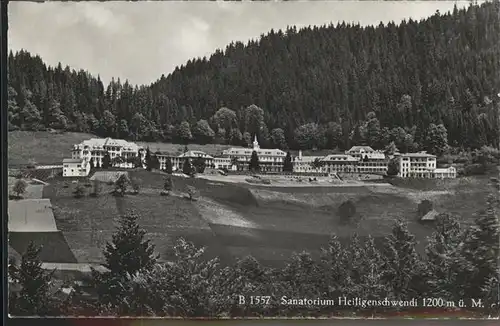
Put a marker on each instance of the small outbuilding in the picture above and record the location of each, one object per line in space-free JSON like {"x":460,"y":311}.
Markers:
{"x":75,"y":167}
{"x":431,"y":216}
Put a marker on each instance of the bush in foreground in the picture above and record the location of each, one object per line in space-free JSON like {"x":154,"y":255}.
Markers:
{"x":459,"y":264}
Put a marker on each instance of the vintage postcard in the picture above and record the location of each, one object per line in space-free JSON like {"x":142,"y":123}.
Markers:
{"x":219,"y":159}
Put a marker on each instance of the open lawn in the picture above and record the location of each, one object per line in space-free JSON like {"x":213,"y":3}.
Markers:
{"x":33,"y":190}
{"x":88,"y":222}
{"x":233,"y":220}
{"x":41,"y":146}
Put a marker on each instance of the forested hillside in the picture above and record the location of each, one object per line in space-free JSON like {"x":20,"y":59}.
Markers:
{"x":421,"y":85}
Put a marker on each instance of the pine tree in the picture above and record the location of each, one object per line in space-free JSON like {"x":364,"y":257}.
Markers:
{"x":390,"y":149}
{"x":437,"y":139}
{"x":373,"y":135}
{"x":254,"y":164}
{"x":106,"y":161}
{"x":168,"y":166}
{"x":393,"y":167}
{"x":199,"y":164}
{"x":34,"y":299}
{"x":187,"y":168}
{"x":402,"y":265}
{"x":79,"y":191}
{"x":168,"y":184}
{"x":155,"y":162}
{"x":446,"y":276}
{"x":121,"y":185}
{"x":148,"y":159}
{"x":287,"y":163}
{"x":404,"y":86}
{"x":334,"y":262}
{"x":129,"y":252}
{"x":184,"y":132}
{"x":481,"y":247}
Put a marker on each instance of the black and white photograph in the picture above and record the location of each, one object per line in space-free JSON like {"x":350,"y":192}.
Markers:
{"x":254,"y":159}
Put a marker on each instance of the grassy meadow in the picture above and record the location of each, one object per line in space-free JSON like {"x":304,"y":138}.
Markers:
{"x":234,"y":220}
{"x":41,"y":147}
{"x":50,"y":148}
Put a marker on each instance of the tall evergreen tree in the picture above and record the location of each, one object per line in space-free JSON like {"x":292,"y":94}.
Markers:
{"x":149,"y":160}
{"x":482,"y":247}
{"x":402,"y":267}
{"x":34,"y":298}
{"x":187,"y":168}
{"x":168,"y":166}
{"x":287,"y":163}
{"x":389,"y":75}
{"x":106,"y":161}
{"x":254,"y":164}
{"x":446,"y":275}
{"x":128,"y":251}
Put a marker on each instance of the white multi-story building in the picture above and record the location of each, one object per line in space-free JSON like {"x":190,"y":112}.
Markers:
{"x":360,"y":151}
{"x":178,"y":161}
{"x":335,"y":163}
{"x":417,"y":165}
{"x":270,"y":160}
{"x":375,"y":162}
{"x":445,"y":173}
{"x":305,"y":164}
{"x":120,"y":151}
{"x":75,"y":167}
{"x":223,"y":163}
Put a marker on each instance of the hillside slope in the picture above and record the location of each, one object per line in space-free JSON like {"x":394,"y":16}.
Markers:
{"x":443,"y":69}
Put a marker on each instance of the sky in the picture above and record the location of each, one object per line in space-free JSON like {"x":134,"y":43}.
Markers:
{"x":140,"y":41}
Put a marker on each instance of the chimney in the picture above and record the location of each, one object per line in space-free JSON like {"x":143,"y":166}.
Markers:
{"x":300,"y":154}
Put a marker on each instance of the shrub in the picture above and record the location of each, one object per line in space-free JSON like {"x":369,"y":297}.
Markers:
{"x":20,"y":187}
{"x":121,"y":185}
{"x":167,"y":186}
{"x":136,"y":186}
{"x":96,"y":190}
{"x":192,"y":192}
{"x":79,"y":191}
{"x":424,"y":207}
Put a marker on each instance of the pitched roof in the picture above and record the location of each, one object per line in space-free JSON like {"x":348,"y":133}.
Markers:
{"x":358,"y":148}
{"x":430,"y":216}
{"x":260,"y":152}
{"x":73,"y":160}
{"x":307,"y":158}
{"x":419,"y":154}
{"x":55,"y":248}
{"x":31,"y":215}
{"x":101,"y":142}
{"x":375,"y":156}
{"x":191,"y":154}
{"x":445,"y":170}
{"x":339,"y":157}
{"x":79,"y":267}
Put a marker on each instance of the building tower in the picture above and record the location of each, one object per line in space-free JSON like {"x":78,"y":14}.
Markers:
{"x":255,"y":144}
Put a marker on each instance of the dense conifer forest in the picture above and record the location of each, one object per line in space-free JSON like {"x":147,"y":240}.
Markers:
{"x":423,"y":85}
